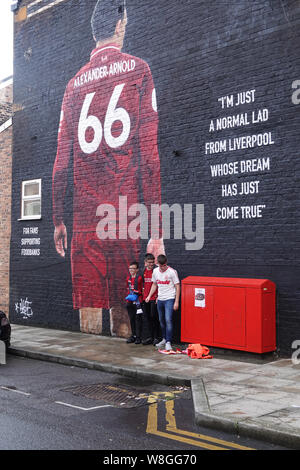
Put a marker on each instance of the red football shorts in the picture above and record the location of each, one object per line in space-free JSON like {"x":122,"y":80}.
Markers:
{"x":99,"y":269}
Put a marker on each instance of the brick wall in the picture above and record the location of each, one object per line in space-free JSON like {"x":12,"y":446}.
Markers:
{"x":5,"y":194}
{"x":204,"y":57}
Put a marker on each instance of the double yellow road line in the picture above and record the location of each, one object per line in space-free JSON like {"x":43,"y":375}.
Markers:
{"x":180,"y":435}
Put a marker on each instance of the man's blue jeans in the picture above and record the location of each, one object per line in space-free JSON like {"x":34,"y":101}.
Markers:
{"x":165,"y":313}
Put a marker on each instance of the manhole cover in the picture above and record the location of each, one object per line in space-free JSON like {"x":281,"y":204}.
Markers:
{"x":111,"y":394}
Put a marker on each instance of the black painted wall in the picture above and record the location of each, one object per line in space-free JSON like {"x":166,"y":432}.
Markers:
{"x":198,"y":52}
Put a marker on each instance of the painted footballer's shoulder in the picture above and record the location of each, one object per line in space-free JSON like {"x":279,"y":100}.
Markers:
{"x":141,"y":63}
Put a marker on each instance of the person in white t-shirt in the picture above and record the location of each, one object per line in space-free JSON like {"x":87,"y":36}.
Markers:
{"x":166,"y":280}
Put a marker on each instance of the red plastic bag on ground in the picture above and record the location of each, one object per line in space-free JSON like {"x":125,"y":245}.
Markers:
{"x":197,"y":351}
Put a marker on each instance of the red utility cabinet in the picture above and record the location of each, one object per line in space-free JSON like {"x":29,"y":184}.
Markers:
{"x":229,"y":313}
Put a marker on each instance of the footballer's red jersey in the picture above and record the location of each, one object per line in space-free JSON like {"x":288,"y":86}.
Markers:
{"x":148,"y":284}
{"x":109,"y":124}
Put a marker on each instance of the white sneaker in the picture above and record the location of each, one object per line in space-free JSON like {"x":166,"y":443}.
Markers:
{"x":161,"y":344}
{"x":168,"y":346}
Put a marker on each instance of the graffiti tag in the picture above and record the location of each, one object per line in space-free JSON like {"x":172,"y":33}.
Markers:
{"x":24,"y":308}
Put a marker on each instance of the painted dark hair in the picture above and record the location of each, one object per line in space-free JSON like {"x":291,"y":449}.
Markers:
{"x":105,"y":17}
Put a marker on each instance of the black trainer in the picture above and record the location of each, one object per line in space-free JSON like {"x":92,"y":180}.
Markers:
{"x":138,"y":341}
{"x":131,"y":340}
{"x":147,"y":341}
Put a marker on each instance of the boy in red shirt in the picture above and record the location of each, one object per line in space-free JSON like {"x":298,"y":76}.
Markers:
{"x":135,"y":286}
{"x":151,"y":327}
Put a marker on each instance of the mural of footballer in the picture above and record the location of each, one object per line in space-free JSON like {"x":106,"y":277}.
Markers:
{"x":109,"y":124}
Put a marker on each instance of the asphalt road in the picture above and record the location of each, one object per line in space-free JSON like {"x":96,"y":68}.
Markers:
{"x":41,"y":410}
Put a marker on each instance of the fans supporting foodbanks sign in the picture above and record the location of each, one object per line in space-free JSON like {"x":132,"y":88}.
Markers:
{"x":164,"y":127}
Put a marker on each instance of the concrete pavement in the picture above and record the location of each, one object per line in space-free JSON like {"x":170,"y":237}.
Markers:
{"x":237,"y":393}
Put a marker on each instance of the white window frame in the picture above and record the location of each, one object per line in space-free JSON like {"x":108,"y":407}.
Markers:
{"x":31,"y":198}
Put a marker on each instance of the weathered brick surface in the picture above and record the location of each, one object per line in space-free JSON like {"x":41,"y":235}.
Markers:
{"x":5,"y":195}
{"x":198,"y":52}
